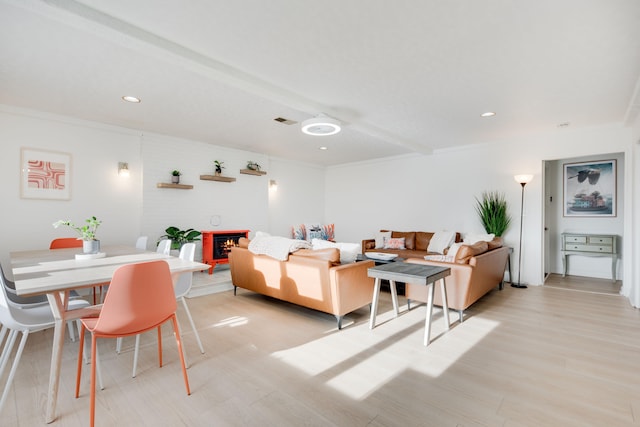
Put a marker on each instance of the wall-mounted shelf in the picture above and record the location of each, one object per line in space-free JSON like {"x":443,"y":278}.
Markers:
{"x":179,"y":186}
{"x":217,"y":178}
{"x":252,"y":172}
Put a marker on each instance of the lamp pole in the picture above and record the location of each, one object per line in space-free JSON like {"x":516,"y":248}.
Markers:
{"x":522,"y":180}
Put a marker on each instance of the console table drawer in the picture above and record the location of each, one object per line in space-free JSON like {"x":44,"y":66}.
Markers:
{"x":600,"y":240}
{"x":590,"y":248}
{"x":586,"y":244}
{"x":575,"y":239}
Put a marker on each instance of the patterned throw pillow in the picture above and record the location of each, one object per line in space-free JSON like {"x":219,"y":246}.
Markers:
{"x":328,"y":232}
{"x":298,"y":232}
{"x":394,"y":243}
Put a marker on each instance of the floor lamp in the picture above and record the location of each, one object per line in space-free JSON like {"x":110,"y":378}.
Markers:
{"x":522,"y":180}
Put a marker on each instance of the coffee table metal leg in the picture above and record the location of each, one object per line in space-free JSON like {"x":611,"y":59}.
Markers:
{"x":394,"y":297}
{"x":445,"y":303}
{"x":427,"y":322}
{"x":374,"y":303}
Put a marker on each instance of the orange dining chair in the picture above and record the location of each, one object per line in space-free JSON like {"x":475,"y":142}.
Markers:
{"x":65,"y":242}
{"x":140,"y":298}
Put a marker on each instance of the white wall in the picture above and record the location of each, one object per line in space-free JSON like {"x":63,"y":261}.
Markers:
{"x":438,"y":191}
{"x":96,"y":188}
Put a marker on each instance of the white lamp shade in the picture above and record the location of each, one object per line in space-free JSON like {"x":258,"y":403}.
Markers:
{"x":523,"y":179}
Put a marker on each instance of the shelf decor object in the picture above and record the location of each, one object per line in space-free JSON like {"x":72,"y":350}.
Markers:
{"x":178,"y":186}
{"x":217,"y":178}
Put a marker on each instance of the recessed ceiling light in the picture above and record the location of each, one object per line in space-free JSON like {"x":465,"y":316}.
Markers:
{"x":323,"y":148}
{"x":131,"y":99}
{"x":564,"y":125}
{"x":488,"y":114}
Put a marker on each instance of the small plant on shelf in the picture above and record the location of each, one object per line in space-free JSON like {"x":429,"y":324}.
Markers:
{"x":251,"y":165}
{"x":219,"y":166}
{"x":175,"y":176}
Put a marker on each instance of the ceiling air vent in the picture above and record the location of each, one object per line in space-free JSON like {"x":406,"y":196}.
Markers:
{"x":285,"y":121}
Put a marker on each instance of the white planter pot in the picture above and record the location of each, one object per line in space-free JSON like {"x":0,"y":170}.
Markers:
{"x":91,"y":246}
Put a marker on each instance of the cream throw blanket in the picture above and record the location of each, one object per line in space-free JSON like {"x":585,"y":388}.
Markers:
{"x":276,"y":247}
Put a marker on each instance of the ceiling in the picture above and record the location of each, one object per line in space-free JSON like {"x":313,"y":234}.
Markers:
{"x":403,"y":76}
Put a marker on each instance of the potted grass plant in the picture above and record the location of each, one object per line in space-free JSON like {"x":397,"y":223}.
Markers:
{"x":493,"y":213}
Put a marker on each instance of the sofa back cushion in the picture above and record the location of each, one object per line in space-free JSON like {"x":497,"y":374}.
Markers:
{"x":422,"y":240}
{"x":496,"y":243}
{"x":329,"y":254}
{"x":409,"y":238}
{"x":243,"y":242}
{"x":465,"y":252}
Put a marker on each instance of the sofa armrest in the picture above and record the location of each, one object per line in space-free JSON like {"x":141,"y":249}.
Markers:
{"x":458,"y":285}
{"x":368,"y":244}
{"x":351,"y":286}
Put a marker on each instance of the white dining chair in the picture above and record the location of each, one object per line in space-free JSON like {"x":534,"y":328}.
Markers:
{"x":21,"y":302}
{"x":164,"y":247}
{"x":141,"y":242}
{"x":181,"y":288}
{"x":21,"y":320}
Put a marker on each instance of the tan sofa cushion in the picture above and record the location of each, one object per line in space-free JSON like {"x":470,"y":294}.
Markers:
{"x":243,"y":242}
{"x":496,"y":243}
{"x":329,"y":254}
{"x":467,"y":251}
{"x":422,"y":240}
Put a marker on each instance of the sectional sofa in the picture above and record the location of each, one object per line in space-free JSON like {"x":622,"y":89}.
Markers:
{"x":311,"y":278}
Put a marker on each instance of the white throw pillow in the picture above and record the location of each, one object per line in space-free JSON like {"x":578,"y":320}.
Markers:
{"x":348,"y":251}
{"x":472,"y":238}
{"x":453,"y":250}
{"x":441,"y":240}
{"x":381,"y":236}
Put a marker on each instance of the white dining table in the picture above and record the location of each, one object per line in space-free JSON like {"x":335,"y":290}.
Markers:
{"x":57,"y":272}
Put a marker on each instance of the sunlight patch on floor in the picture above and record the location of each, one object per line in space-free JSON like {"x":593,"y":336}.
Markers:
{"x":357,"y":363}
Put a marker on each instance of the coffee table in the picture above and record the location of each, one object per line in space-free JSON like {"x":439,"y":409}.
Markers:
{"x":417,"y":274}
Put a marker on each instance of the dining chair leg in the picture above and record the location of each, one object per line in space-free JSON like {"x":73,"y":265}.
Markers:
{"x":160,"y":345}
{"x":193,"y":325}
{"x":119,"y":345}
{"x":92,"y":397}
{"x":84,"y":354}
{"x":176,"y":333}
{"x":184,"y":350}
{"x":135,"y":356}
{"x":80,"y":357}
{"x":14,"y":366}
{"x":72,"y":335}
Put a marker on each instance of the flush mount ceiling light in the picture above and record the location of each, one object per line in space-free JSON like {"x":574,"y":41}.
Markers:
{"x":131,"y":99}
{"x":321,"y":125}
{"x":488,"y":114}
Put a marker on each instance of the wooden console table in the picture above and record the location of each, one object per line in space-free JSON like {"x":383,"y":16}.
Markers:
{"x":598,"y":245}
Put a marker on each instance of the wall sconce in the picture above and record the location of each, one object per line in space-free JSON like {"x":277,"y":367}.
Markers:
{"x":123,"y":169}
{"x":273,"y":185}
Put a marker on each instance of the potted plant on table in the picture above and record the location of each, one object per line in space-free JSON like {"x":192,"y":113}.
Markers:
{"x":180,"y":237}
{"x":492,"y":209}
{"x":175,"y":176}
{"x":90,"y":244}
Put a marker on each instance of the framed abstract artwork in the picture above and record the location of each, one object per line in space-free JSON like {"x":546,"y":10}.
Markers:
{"x":590,"y":189}
{"x":45,"y":174}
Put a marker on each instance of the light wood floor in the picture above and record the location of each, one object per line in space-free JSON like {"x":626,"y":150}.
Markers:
{"x":540,"y":356}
